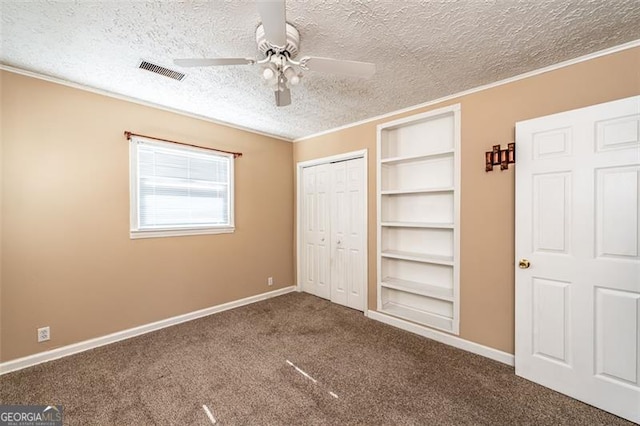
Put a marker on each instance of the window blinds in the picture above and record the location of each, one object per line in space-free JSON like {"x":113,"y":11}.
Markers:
{"x":182,"y":187}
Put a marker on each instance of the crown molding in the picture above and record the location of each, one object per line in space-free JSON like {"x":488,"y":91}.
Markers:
{"x":590,"y":56}
{"x":594,"y":55}
{"x":134,"y":100}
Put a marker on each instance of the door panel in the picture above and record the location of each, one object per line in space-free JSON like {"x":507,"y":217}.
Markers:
{"x":551,"y":212}
{"x":617,"y":212}
{"x":578,"y":304}
{"x":551,"y":322}
{"x":347,"y":234}
{"x":322,"y":235}
{"x":315,"y":210}
{"x":618,"y":133}
{"x":339,"y":230}
{"x":356,"y":237}
{"x":309,"y":276}
{"x":617,"y":329}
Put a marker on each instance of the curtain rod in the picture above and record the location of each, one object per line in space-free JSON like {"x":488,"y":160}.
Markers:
{"x":128,"y":135}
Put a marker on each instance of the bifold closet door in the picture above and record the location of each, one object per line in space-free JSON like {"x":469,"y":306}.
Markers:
{"x":348,"y":233}
{"x":334,"y":235}
{"x":315,"y":228}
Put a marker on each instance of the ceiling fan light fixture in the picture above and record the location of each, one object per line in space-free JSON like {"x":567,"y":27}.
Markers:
{"x":291,"y":75}
{"x":294,"y":80}
{"x":271,"y":75}
{"x":279,"y":41}
{"x":268,"y":74}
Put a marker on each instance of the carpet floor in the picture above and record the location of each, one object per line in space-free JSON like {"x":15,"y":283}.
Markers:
{"x":242,"y":364}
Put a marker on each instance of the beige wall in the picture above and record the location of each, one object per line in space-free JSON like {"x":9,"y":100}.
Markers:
{"x":487,"y":204}
{"x":67,"y":260}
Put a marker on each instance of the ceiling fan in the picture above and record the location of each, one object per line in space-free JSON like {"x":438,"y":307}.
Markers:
{"x":278,"y":41}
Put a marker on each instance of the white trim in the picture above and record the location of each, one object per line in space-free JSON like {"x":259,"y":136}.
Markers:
{"x":388,"y":125}
{"x":594,"y":55}
{"x":332,"y":159}
{"x":39,"y":358}
{"x":176,"y":232}
{"x":445,"y":338}
{"x":378,"y":218}
{"x":363,"y":153}
{"x":609,"y":51}
{"x":135,"y":101}
{"x":457,"y":198}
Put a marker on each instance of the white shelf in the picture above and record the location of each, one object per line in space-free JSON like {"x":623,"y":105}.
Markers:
{"x":416,"y":191}
{"x":417,"y":316}
{"x":418,"y":257}
{"x":430,"y":225}
{"x":421,"y":289}
{"x":435,"y":207}
{"x":410,"y":158}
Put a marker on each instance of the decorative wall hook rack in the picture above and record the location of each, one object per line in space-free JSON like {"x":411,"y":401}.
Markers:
{"x":503,"y":157}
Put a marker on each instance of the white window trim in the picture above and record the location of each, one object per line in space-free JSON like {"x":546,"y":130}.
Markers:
{"x":135,"y":233}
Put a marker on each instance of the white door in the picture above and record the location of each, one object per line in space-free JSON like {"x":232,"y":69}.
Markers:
{"x":333,"y":226}
{"x":348,"y":233}
{"x":315,"y":229}
{"x":578,"y":303}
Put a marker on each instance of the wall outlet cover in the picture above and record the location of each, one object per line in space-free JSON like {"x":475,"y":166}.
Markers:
{"x":44,"y":334}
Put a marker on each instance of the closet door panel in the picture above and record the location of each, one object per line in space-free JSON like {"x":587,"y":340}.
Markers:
{"x":315,"y":225}
{"x":347,"y":233}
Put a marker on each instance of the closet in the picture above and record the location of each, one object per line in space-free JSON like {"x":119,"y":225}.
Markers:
{"x":332,"y":243}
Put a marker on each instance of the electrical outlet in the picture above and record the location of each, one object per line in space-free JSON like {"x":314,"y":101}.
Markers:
{"x":43,"y":334}
{"x":270,"y":281}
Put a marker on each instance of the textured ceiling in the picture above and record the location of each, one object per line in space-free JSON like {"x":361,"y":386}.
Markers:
{"x":423,"y":50}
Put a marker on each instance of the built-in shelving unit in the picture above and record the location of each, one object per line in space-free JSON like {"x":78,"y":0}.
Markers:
{"x":418,"y":218}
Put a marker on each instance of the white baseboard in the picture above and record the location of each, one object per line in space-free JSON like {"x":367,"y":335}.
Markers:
{"x":445,"y":338}
{"x":28,"y":361}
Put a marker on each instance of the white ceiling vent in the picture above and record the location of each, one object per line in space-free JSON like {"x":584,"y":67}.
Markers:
{"x":176,"y":75}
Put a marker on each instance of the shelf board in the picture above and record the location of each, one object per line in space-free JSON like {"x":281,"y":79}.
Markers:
{"x":418,"y":316}
{"x":416,"y":191}
{"x":418,"y":225}
{"x":418,"y":257}
{"x":422,"y":289}
{"x":410,"y":158}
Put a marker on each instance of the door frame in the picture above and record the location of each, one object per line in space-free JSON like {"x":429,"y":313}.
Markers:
{"x":363,"y":153}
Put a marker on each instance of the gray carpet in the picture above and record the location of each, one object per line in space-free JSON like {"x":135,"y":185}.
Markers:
{"x":235,"y":362}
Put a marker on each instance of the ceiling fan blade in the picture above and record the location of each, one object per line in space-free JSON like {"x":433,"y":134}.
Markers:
{"x":207,"y":62}
{"x":339,"y":66}
{"x":273,"y":15}
{"x":283,"y":98}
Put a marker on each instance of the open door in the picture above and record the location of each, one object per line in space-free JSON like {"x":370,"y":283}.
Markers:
{"x":578,"y":254}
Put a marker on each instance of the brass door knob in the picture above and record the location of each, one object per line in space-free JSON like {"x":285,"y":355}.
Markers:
{"x":524,"y":264}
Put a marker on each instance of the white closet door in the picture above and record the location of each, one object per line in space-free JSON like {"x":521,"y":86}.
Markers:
{"x":315,"y":228}
{"x":348,"y":233}
{"x":578,"y":232}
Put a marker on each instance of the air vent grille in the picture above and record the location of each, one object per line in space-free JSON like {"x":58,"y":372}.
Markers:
{"x":162,"y":70}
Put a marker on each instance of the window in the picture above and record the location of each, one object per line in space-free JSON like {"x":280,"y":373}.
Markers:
{"x":179,"y":190}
